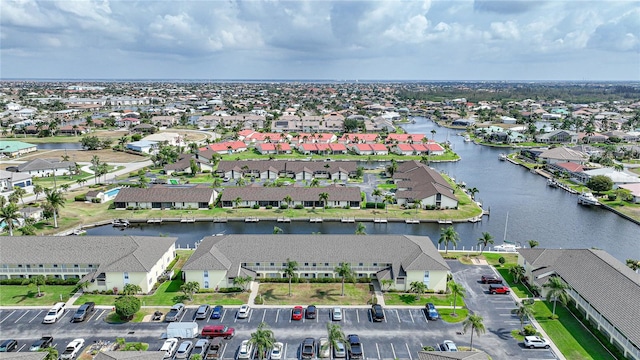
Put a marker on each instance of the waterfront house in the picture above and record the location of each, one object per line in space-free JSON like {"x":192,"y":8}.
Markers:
{"x":218,"y":260}
{"x":404,"y":138}
{"x":617,"y":177}
{"x":158,"y":197}
{"x":603,"y":289}
{"x":416,"y":181}
{"x":16,"y":148}
{"x":635,"y":191}
{"x":563,"y":154}
{"x":558,"y":137}
{"x":105,"y":262}
{"x":306,"y":197}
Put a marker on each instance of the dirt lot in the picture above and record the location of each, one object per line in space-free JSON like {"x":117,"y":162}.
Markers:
{"x":108,"y":156}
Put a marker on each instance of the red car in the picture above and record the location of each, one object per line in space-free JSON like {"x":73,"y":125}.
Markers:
{"x":296,"y":314}
{"x":498,"y":289}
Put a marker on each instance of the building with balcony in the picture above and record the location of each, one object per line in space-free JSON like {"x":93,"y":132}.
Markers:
{"x":105,"y":262}
{"x":218,"y":260}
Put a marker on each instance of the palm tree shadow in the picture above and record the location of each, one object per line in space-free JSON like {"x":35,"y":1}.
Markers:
{"x":323,"y":295}
{"x":502,"y":333}
{"x":269,"y":295}
{"x":29,"y":295}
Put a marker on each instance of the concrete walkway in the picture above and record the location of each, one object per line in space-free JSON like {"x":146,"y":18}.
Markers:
{"x":74,"y":298}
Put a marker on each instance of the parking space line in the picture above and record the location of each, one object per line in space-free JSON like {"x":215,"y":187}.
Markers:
{"x":398,"y":315}
{"x":23,"y":315}
{"x":3,"y":320}
{"x":250,"y":313}
{"x":35,"y":317}
{"x":378,"y":350}
{"x":22,"y":347}
{"x":317,"y":314}
{"x":224,"y":348}
{"x":99,"y":316}
{"x":290,"y":316}
{"x":409,"y":351}
{"x":224,"y":312}
{"x":264,"y":314}
{"x":285,"y":350}
{"x":93,"y":313}
{"x":357,"y":315}
{"x":65,"y":314}
{"x":393,"y":350}
{"x":277,"y":315}
{"x":411,"y":315}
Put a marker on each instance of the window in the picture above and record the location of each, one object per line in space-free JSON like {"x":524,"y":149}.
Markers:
{"x":306,"y":264}
{"x":150,"y":281}
{"x":206,"y":273}
{"x":272,"y":264}
{"x":126,"y":276}
{"x":75,"y":265}
{"x":375,"y":264}
{"x":206,"y":284}
{"x":257,"y":264}
{"x":313,"y":264}
{"x":40,"y":265}
{"x":326,"y":264}
{"x":55,"y":265}
{"x":400,"y":281}
{"x":360,"y":264}
{"x":19,"y":265}
{"x":90,"y":265}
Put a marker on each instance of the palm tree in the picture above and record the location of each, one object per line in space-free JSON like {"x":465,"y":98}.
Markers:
{"x":377,"y":193}
{"x":37,"y":281}
{"x":524,"y":312}
{"x":103,"y":169}
{"x":417,"y":204}
{"x":556,"y":289}
{"x":517,"y":272}
{"x":473,"y":191}
{"x":418,"y":287}
{"x":475,"y":323}
{"x":433,"y":134}
{"x":485,"y":240}
{"x":388,"y":199}
{"x":288,"y":200}
{"x":8,"y":214}
{"x":448,"y":235}
{"x":95,"y":161}
{"x":633,"y":264}
{"x":131,"y":289}
{"x":533,"y":243}
{"x":143,"y":182}
{"x":52,"y":353}
{"x":336,"y":335}
{"x":361,"y":229}
{"x":37,"y":190}
{"x":290,"y":271}
{"x":457,"y":290}
{"x":262,"y":339}
{"x":19,"y":193}
{"x":277,"y":230}
{"x":80,"y":183}
{"x":314,"y":182}
{"x":55,"y":200}
{"x":237,"y":201}
{"x":324,"y":197}
{"x":345,"y":272}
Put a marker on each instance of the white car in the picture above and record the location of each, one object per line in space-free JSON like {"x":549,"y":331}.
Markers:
{"x":339,"y":351}
{"x":246,"y":350}
{"x":324,"y":349}
{"x":55,"y":313}
{"x":336,"y":314}
{"x":169,"y":347}
{"x":449,"y":345}
{"x":243,"y":312}
{"x":184,"y":350}
{"x":276,"y":352}
{"x":536,"y":342}
{"x":72,"y":350}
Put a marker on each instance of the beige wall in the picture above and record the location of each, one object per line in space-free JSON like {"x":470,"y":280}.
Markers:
{"x":217,"y":278}
{"x":437,"y":280}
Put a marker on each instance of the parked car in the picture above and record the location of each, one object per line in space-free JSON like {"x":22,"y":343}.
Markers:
{"x":276,"y":351}
{"x":246,"y":350}
{"x":536,"y":342}
{"x":217,"y":312}
{"x":324,"y":348}
{"x":432,"y":313}
{"x":311,"y":311}
{"x":72,"y":350}
{"x":336,"y":314}
{"x":308,"y":348}
{"x":169,"y":347}
{"x":175,"y":313}
{"x":202,"y":312}
{"x":377,"y":314}
{"x":200,"y":348}
{"x":498,"y":289}
{"x":490,"y":279}
{"x":339,"y":351}
{"x":54,"y":314}
{"x":448,"y":345}
{"x":355,"y":347}
{"x":296,"y":313}
{"x":42,"y":343}
{"x":8,"y":345}
{"x":213,"y":331}
{"x":184,"y":350}
{"x":83,"y":311}
{"x":243,"y":312}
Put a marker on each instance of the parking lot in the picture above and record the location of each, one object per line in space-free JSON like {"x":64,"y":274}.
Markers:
{"x":401,"y":335}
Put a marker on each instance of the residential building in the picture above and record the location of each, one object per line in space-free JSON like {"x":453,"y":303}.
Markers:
{"x":635,"y":191}
{"x":563,"y":154}
{"x":16,"y":148}
{"x":106,"y":262}
{"x":143,"y":146}
{"x":298,"y":170}
{"x":218,"y":260}
{"x":604,"y":290}
{"x":45,"y":167}
{"x":158,"y":197}
{"x":307,"y":197}
{"x":129,"y":355}
{"x":9,"y":180}
{"x":557,"y":137}
{"x":416,"y":181}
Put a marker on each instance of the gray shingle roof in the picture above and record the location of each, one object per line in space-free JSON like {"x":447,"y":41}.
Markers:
{"x":421,"y":180}
{"x":45,"y":164}
{"x":290,"y":166}
{"x":607,"y":284}
{"x":402,"y":251}
{"x":23,"y":355}
{"x":336,"y":193}
{"x":162,"y":193}
{"x":130,"y":355}
{"x":112,"y":253}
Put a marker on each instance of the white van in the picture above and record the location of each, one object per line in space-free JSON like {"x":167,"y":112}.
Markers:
{"x":54,"y":314}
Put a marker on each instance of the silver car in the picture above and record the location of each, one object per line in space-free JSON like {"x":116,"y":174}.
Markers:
{"x":336,"y":314}
{"x":243,"y":312}
{"x":184,"y":350}
{"x":339,"y":351}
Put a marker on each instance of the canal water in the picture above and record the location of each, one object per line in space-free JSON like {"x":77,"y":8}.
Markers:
{"x":534,"y":211}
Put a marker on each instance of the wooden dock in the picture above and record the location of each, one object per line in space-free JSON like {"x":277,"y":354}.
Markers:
{"x":220,"y":220}
{"x":188,"y":220}
{"x":284,"y":220}
{"x":251,"y":220}
{"x":445,"y":222}
{"x":380,"y":221}
{"x":412,"y":221}
{"x":348,"y":220}
{"x":154,"y":221}
{"x":315,"y":220}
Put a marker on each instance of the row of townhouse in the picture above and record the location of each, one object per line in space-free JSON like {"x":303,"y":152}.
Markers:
{"x":298,"y":170}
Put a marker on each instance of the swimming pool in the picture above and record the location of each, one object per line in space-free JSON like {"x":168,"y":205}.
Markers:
{"x":112,"y":192}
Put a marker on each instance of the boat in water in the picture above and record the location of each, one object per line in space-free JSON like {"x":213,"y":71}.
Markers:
{"x":507,"y":247}
{"x":120,"y":223}
{"x":502,"y":157}
{"x":587,"y":198}
{"x":552,"y":183}
{"x":467,"y":138}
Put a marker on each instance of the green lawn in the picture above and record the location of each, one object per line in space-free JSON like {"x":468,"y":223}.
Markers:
{"x":461,"y":315}
{"x":315,"y":293}
{"x":518,"y":288}
{"x":410,"y":299}
{"x":573,"y":340}
{"x":25,"y":295}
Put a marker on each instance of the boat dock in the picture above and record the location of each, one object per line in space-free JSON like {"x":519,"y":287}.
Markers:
{"x":412,"y":221}
{"x":380,"y":221}
{"x":251,"y":220}
{"x":284,"y":220}
{"x":154,"y":221}
{"x":315,"y":220}
{"x":348,"y":220}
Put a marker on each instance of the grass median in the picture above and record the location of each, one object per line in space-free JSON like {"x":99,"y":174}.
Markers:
{"x":25,"y":295}
{"x":315,"y":293}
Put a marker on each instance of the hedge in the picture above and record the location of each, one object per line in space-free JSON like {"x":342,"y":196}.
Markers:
{"x":374,"y":205}
{"x":297,"y":280}
{"x":48,"y":281}
{"x":231,"y":289}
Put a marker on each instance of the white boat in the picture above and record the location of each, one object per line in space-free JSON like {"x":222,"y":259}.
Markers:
{"x":587,"y":198}
{"x":552,"y":183}
{"x":507,"y":248}
{"x":120,"y":223}
{"x":502,"y":157}
{"x":467,"y":138}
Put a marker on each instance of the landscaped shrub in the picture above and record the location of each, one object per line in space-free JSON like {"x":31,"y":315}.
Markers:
{"x":284,"y":206}
{"x":502,"y":260}
{"x":230,"y":289}
{"x":268,"y":207}
{"x":529,"y":330}
{"x":256,"y":206}
{"x":299,"y":207}
{"x":325,"y":280}
{"x":96,"y":200}
{"x":80,"y":198}
{"x":48,"y":281}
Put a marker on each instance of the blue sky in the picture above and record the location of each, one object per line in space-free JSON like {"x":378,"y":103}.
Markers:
{"x":321,"y":39}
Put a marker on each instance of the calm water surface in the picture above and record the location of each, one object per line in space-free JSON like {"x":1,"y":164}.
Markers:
{"x":535,"y":211}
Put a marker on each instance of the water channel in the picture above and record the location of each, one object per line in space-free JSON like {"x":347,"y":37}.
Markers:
{"x":535,"y":211}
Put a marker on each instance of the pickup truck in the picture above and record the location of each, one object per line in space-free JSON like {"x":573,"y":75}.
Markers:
{"x":214,"y":331}
{"x":72,"y":350}
{"x":215,"y":349}
{"x":355,"y":348}
{"x":43,"y":343}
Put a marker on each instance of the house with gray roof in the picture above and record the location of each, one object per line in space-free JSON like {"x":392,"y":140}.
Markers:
{"x":339,"y":196}
{"x":559,"y":136}
{"x":160,"y":197}
{"x":105,"y":262}
{"x":9,"y":180}
{"x":45,"y":167}
{"x":416,"y":181}
{"x":298,"y":170}
{"x":36,"y":355}
{"x":563,"y":154}
{"x":130,"y":355}
{"x":218,"y":260}
{"x":604,"y":290}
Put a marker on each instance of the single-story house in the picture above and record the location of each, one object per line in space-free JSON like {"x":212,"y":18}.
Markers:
{"x":369,"y":149}
{"x":129,"y":355}
{"x":106,"y":262}
{"x":45,"y":167}
{"x":307,"y":197}
{"x":218,"y":260}
{"x":10,"y":179}
{"x":298,"y":170}
{"x":603,"y":289}
{"x":183,"y":164}
{"x":143,"y":146}
{"x":32,"y":212}
{"x":563,"y":154}
{"x":16,"y":148}
{"x":635,"y":191}
{"x":160,"y":197}
{"x":273,"y":148}
{"x":557,"y":137}
{"x":226,"y":147}
{"x":618,"y":177}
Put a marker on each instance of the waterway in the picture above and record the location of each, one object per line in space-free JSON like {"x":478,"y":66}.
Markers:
{"x":535,"y":211}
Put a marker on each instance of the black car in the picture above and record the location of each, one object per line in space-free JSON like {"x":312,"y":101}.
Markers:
{"x":8,"y":345}
{"x":432,"y":313}
{"x":83,"y":311}
{"x":310,"y":313}
{"x":377,"y":314}
{"x":308,"y":348}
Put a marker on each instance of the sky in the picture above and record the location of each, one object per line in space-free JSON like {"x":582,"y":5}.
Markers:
{"x":321,"y":40}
